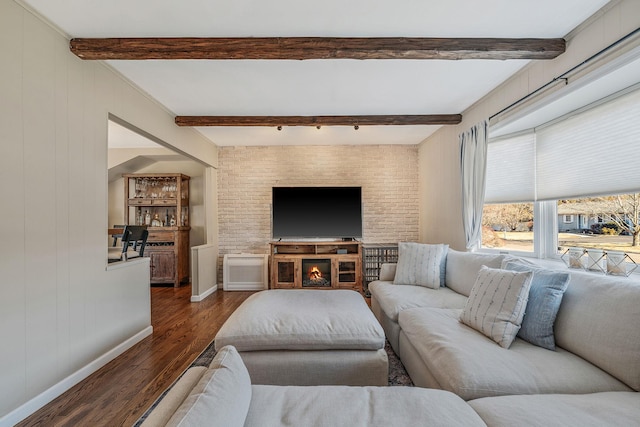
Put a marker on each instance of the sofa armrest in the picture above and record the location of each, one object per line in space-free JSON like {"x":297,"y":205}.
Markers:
{"x":164,"y":410}
{"x":387,"y":272}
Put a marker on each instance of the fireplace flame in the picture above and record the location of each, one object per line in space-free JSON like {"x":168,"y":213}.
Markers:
{"x":314,"y":273}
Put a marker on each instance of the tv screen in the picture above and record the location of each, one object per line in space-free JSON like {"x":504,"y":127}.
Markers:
{"x":317,"y":212}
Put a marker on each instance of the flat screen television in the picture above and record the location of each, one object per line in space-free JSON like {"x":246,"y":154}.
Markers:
{"x":316,"y":212}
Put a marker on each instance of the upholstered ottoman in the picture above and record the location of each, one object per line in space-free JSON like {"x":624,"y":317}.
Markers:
{"x":307,"y":337}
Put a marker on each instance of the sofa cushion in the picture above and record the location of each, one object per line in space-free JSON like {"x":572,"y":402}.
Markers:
{"x":387,"y":272}
{"x":595,"y":410}
{"x":598,"y":320}
{"x":497,"y":303}
{"x":357,"y":407}
{"x":545,"y":296}
{"x":420,"y":264}
{"x":174,"y":397}
{"x":471,"y":365}
{"x":463,"y":267}
{"x":393,"y":298}
{"x":291,"y":319}
{"x":221,"y":397}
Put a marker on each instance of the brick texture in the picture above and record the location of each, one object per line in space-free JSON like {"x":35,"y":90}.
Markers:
{"x":388,"y":175}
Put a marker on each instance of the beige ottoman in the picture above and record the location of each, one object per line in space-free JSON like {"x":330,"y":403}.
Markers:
{"x":308,"y":337}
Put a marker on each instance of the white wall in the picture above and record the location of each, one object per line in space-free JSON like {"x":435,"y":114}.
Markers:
{"x":61,"y":309}
{"x":440,"y":187}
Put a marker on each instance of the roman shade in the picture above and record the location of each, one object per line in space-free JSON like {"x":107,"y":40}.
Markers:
{"x":511,"y":169}
{"x":590,"y":152}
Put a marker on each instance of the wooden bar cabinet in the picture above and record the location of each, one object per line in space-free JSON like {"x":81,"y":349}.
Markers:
{"x":161,"y":202}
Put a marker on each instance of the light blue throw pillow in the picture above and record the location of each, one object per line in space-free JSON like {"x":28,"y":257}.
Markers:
{"x":545,"y":296}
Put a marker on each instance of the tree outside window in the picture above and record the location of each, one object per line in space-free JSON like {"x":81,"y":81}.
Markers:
{"x":508,"y":226}
{"x":623,"y":211}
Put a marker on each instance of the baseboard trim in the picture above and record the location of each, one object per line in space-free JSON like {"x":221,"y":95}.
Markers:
{"x":200,"y":297}
{"x":56,"y":390}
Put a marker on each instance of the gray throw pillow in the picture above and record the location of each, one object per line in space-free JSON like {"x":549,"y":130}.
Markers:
{"x":545,"y":297}
{"x":419,"y":264}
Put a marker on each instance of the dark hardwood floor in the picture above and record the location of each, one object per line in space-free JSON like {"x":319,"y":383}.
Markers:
{"x":120,"y":392}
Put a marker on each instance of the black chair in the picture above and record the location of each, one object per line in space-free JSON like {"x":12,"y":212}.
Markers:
{"x":134,"y":240}
{"x":117,"y":236}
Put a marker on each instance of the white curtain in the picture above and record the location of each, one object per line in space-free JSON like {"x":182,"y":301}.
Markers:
{"x":473,"y":164}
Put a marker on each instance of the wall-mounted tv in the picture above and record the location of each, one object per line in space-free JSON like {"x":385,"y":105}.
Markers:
{"x":316,"y":212}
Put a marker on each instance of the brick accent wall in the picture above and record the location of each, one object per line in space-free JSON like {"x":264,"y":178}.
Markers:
{"x":388,"y":175}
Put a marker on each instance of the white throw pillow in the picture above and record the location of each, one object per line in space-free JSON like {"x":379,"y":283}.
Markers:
{"x":497,"y":303}
{"x":419,"y":264}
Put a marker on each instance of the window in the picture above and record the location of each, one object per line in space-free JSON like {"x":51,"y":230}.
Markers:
{"x":575,"y":178}
{"x":507,"y":216}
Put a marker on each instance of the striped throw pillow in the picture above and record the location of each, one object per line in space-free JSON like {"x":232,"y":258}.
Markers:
{"x":497,"y":303}
{"x":419,"y":264}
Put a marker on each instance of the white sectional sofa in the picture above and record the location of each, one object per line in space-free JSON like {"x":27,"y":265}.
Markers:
{"x":596,"y":332}
{"x":222,"y":395}
{"x":466,"y":377}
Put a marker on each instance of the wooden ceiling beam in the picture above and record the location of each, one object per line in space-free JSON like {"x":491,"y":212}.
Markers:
{"x":300,"y":48}
{"x":375,"y":120}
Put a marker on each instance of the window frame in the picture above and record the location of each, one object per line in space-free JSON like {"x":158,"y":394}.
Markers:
{"x":545,"y":233}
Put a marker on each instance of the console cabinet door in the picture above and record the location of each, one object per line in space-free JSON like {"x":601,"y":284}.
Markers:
{"x":285,"y":274}
{"x":163,"y":266}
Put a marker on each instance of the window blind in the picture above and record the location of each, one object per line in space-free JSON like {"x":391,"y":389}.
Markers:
{"x":511,"y":169}
{"x":594,"y":152}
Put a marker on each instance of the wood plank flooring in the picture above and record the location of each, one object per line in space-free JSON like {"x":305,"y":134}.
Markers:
{"x":120,"y":392}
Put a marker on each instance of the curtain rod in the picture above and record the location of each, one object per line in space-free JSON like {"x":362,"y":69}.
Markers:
{"x":564,"y":76}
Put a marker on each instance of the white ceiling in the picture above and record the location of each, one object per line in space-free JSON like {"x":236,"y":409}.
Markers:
{"x":317,"y":87}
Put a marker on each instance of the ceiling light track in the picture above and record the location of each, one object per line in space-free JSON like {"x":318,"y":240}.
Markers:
{"x":301,"y":48}
{"x":317,"y":121}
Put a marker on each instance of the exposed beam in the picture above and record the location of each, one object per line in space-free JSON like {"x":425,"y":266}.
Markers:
{"x":298,"y":48}
{"x":378,"y":120}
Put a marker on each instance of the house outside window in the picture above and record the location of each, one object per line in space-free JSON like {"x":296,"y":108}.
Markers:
{"x":612,"y":224}
{"x":568,"y":218}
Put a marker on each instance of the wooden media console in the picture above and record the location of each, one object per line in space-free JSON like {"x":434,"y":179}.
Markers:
{"x":318,"y":265}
